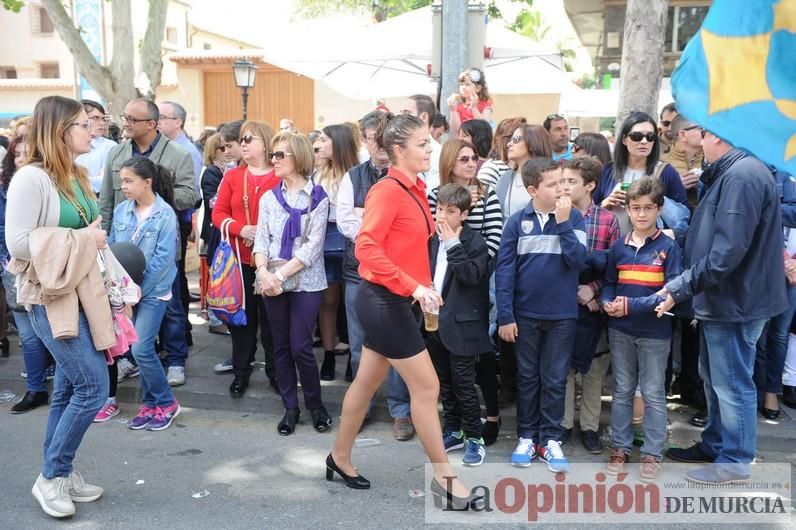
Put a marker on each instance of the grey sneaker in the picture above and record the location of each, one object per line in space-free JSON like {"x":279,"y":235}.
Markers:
{"x":53,"y":496}
{"x":126,"y":370}
{"x":176,"y":375}
{"x":80,"y":491}
{"x":223,"y":366}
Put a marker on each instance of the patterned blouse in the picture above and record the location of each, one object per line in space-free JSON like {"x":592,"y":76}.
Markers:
{"x":270,"y":226}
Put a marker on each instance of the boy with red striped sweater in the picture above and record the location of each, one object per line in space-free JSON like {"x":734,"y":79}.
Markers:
{"x":638,"y":267}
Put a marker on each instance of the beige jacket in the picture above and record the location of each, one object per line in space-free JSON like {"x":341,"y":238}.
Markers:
{"x":63,"y":275}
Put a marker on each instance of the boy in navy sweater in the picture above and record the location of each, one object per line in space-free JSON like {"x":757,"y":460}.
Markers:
{"x":542,"y":251}
{"x":639,"y":265}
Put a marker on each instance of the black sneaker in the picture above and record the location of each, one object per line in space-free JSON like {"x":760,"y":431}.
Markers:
{"x":700,"y":419}
{"x":692,"y":455}
{"x":565,"y":436}
{"x":591,"y":442}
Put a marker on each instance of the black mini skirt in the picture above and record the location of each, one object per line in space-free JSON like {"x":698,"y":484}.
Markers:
{"x":390,"y":323}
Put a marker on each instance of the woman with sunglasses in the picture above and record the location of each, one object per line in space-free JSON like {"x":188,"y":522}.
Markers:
{"x":636,"y":154}
{"x":52,"y":191}
{"x":527,"y":142}
{"x":338,"y":151}
{"x":238,"y":200}
{"x":288,"y":253}
{"x":497,"y":162}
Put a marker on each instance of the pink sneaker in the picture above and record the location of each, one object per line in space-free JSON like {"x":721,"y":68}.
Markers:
{"x":108,"y":411}
{"x":142,"y":419}
{"x":163,"y":417}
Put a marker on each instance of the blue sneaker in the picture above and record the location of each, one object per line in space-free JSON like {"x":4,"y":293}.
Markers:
{"x":524,"y":453}
{"x":554,"y":456}
{"x":163,"y":417}
{"x":453,"y":440}
{"x":474,"y":452}
{"x":142,"y":419}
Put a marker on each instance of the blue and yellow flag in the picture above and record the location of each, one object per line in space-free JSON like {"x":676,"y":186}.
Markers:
{"x":737,"y":77}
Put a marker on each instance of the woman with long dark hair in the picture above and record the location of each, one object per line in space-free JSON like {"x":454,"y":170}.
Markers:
{"x":52,"y":191}
{"x":392,"y":248}
{"x":337,"y":149}
{"x":592,"y":144}
{"x":478,"y":133}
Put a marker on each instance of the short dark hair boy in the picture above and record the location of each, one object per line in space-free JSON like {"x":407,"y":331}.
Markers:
{"x":455,"y":195}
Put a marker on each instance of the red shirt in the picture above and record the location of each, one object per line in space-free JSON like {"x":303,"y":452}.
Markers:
{"x":466,"y":113}
{"x":230,"y":202}
{"x":392,"y":244}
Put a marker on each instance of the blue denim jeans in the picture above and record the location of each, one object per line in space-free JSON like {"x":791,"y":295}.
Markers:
{"x":80,"y":390}
{"x":155,"y":389}
{"x":639,"y":362}
{"x":543,"y":350}
{"x":175,"y":324}
{"x":397,"y":392}
{"x":34,"y":353}
{"x":772,"y":348}
{"x":725,"y":365}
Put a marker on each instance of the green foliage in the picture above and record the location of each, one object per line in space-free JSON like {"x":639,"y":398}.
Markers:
{"x":530,"y":24}
{"x":380,"y":9}
{"x":13,"y":5}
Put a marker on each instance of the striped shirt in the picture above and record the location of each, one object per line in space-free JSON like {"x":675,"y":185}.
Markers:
{"x":486,"y":218}
{"x":491,"y":170}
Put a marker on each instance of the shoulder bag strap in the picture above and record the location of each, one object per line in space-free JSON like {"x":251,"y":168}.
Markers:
{"x":422,"y":210}
{"x":656,"y":173}
{"x":246,"y":196}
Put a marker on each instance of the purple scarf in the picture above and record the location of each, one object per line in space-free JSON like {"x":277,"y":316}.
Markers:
{"x":292,"y":228}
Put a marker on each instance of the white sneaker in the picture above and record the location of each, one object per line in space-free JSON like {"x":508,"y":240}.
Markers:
{"x":524,"y":453}
{"x":80,"y":491}
{"x":126,"y":370}
{"x":53,"y":496}
{"x":176,"y":375}
{"x":554,"y":456}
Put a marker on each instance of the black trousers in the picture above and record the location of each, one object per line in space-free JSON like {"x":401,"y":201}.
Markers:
{"x":692,"y":389}
{"x":460,"y":406}
{"x":508,"y":368}
{"x":486,"y":370}
{"x":244,"y":338}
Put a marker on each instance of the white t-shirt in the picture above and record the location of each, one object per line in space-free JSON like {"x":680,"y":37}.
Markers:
{"x":442,"y":267}
{"x":518,"y":195}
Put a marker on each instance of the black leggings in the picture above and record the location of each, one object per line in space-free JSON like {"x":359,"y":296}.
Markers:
{"x":113,"y":375}
{"x":486,"y":377}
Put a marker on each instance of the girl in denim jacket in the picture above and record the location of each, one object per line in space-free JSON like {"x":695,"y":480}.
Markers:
{"x":147,"y":220}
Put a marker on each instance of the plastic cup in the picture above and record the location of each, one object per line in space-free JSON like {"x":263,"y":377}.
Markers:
{"x":431,"y":317}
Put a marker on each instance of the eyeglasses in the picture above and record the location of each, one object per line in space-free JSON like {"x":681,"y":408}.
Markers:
{"x":637,"y":136}
{"x":248,"y":138}
{"x":86,"y":125}
{"x":465,"y":159}
{"x":316,"y":149}
{"x":646,"y":209}
{"x":666,"y":123}
{"x":162,"y":117}
{"x":516,"y":139}
{"x":130,"y":119}
{"x":279,"y":155}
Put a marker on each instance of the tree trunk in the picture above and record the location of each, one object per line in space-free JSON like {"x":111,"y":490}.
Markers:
{"x":642,"y":58}
{"x":116,"y":83}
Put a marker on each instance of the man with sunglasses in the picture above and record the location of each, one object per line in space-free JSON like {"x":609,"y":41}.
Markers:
{"x":668,"y":113}
{"x":140,"y":121}
{"x":734,"y":272}
{"x":94,"y":161}
{"x":558,"y":128}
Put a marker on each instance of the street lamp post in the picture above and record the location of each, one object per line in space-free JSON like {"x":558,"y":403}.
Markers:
{"x":244,"y":79}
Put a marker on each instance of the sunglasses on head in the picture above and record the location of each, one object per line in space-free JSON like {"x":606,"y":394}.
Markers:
{"x":248,"y":138}
{"x":279,"y":155}
{"x":637,"y":136}
{"x":553,"y":117}
{"x":465,"y":159}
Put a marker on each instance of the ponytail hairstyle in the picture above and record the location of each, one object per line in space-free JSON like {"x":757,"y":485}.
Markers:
{"x":162,"y":179}
{"x":395,"y":131}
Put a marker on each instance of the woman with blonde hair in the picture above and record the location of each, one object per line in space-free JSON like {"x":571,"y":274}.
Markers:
{"x":53,"y":192}
{"x":288,"y":253}
{"x":336,"y":146}
{"x":238,"y":202}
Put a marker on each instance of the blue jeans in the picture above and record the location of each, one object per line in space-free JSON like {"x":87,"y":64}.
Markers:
{"x":34,"y":352}
{"x":772,"y":348}
{"x":543,"y":350}
{"x":639,"y":362}
{"x":725,"y":365}
{"x":397,"y":392}
{"x":80,"y":390}
{"x":175,"y":324}
{"x":155,"y":389}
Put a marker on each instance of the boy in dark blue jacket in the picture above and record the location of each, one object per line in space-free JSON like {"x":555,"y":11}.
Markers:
{"x":639,"y":265}
{"x":542,"y":251}
{"x":460,"y":268}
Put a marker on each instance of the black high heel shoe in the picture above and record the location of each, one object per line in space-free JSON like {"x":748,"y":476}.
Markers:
{"x":769,"y":414}
{"x":321,"y":420}
{"x":490,"y":431}
{"x":289,"y":421}
{"x":327,"y":368}
{"x":4,"y":346}
{"x":358,"y":482}
{"x":349,"y":374}
{"x":452,"y":502}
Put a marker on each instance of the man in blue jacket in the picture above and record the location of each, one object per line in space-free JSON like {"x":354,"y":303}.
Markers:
{"x":734,"y":272}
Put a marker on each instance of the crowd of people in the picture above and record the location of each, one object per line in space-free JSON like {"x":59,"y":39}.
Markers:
{"x":508,"y":260}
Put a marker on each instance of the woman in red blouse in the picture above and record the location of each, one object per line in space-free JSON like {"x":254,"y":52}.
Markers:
{"x":239,"y":199}
{"x":392,"y":248}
